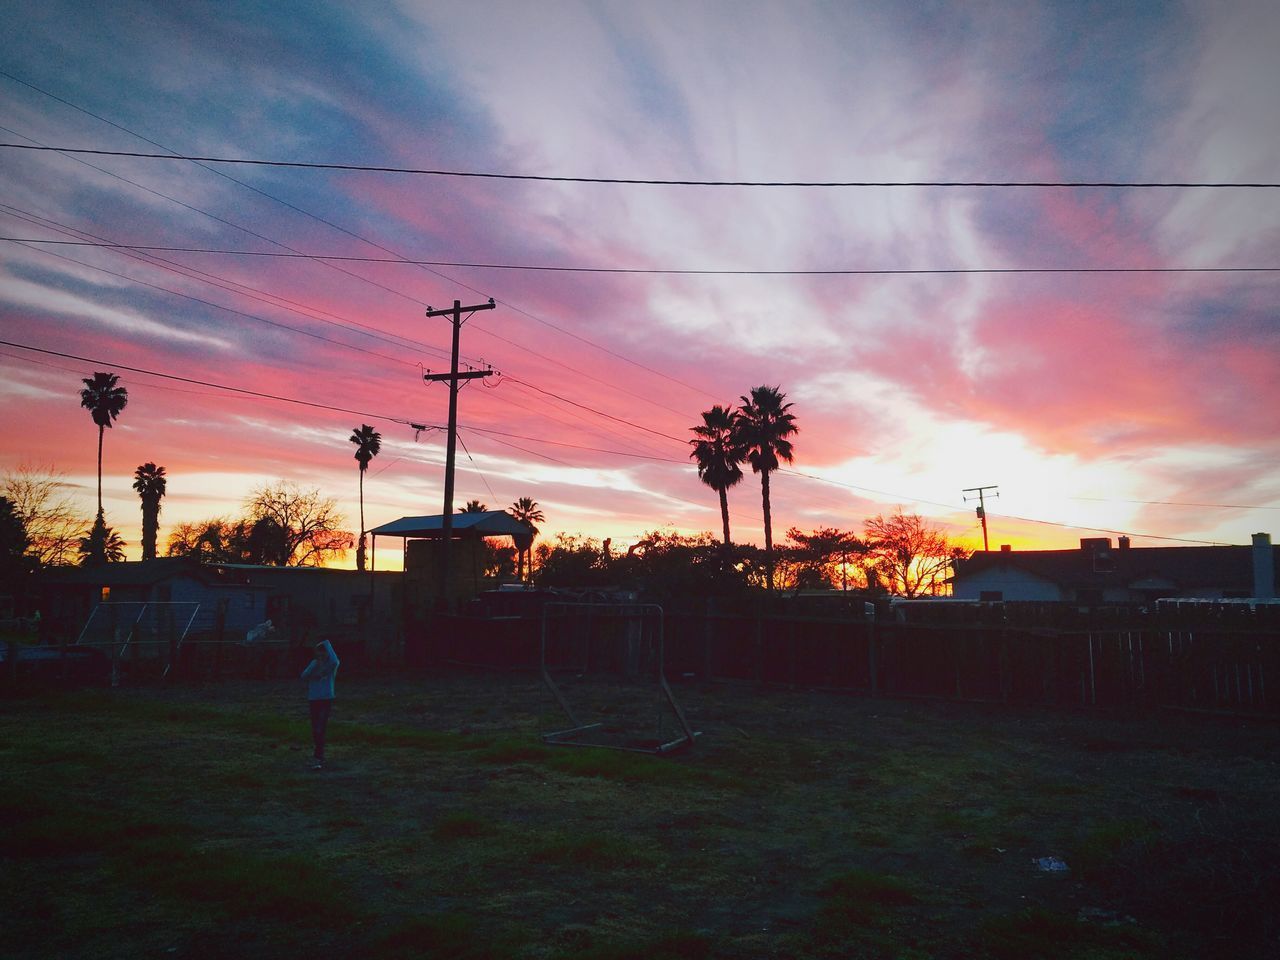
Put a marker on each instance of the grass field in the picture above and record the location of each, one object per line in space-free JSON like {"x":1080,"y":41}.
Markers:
{"x":183,"y":822}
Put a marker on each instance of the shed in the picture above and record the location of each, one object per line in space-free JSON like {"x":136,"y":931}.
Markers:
{"x":468,"y":530}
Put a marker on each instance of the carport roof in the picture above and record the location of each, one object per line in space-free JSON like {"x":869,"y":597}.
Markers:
{"x":490,"y":523}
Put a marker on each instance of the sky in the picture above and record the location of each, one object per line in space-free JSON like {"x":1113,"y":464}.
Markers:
{"x":1141,"y":402}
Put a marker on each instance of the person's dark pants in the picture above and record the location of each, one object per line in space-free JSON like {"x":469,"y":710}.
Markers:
{"x":320,"y":710}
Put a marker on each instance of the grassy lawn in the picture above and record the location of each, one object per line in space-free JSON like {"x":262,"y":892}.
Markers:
{"x":183,"y":822}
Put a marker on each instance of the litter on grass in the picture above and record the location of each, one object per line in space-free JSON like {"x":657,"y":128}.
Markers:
{"x":1051,"y":864}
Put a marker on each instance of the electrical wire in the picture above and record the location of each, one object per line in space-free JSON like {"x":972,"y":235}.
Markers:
{"x":644,"y":181}
{"x":661,"y":271}
{"x":497,"y":439}
{"x":208,"y":383}
{"x":343,"y":230}
{"x":218,"y":306}
{"x":1179,"y":503}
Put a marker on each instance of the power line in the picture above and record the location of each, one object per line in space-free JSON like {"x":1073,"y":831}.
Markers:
{"x":208,"y":383}
{"x":399,"y":259}
{"x":367,"y":331}
{"x":319,"y":219}
{"x":652,"y":271}
{"x":642,"y":181}
{"x":231,"y":310}
{"x":599,"y":413}
{"x":949,"y":506}
{"x":1179,"y":503}
{"x":497,"y":439}
{"x":223,"y":220}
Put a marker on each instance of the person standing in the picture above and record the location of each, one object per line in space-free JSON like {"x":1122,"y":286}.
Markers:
{"x":319,"y":674}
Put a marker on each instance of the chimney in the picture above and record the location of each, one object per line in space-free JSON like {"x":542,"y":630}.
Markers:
{"x":1006,"y":548}
{"x":1124,"y":543}
{"x":1264,"y":567}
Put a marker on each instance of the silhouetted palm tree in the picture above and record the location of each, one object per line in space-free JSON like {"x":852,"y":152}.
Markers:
{"x":150,"y":483}
{"x":101,"y":545}
{"x":473,"y":506}
{"x":368,"y":442}
{"x":718,"y":451}
{"x":104,"y":400}
{"x":526,"y":511}
{"x":764,"y":424}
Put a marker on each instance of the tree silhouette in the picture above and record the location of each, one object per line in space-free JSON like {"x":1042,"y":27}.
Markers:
{"x":823,"y":558}
{"x":764,"y":424}
{"x":526,"y":511}
{"x":368,"y":443}
{"x":288,"y":526}
{"x":51,"y":518}
{"x":718,"y":450}
{"x":149,"y":481}
{"x":104,"y":400}
{"x":473,"y":506}
{"x":101,"y":545}
{"x":907,"y":554}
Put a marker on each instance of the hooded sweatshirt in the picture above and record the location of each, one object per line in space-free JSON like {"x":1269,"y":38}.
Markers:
{"x":320,"y":673}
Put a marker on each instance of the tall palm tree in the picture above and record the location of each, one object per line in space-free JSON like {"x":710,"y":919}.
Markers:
{"x":718,"y":451}
{"x":526,"y":511}
{"x":368,"y":443}
{"x":104,"y":400}
{"x":150,"y":483}
{"x":764,"y":424}
{"x":473,"y":506}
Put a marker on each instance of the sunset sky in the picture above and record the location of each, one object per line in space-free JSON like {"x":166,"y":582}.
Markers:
{"x":1146,"y":402}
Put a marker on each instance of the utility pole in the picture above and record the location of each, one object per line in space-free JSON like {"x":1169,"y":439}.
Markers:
{"x":453,"y":377}
{"x":982,"y":509}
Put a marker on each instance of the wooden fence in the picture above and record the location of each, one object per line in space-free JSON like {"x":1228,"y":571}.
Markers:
{"x":1219,"y":662}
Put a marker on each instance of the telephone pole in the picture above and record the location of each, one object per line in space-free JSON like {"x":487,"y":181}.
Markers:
{"x":982,"y":509}
{"x":453,"y":377}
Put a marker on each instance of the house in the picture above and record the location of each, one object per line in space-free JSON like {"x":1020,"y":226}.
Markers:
{"x":1097,"y":572}
{"x":164,"y":594}
{"x":306,"y":603}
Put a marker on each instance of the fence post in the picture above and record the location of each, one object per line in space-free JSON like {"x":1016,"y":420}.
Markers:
{"x":707,"y":629}
{"x":759,"y":664}
{"x":873,"y":658}
{"x":1005,"y":673}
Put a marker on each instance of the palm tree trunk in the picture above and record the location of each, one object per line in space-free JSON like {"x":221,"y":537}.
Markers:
{"x":724,"y":514}
{"x":100,"y":432}
{"x":360,"y":544}
{"x":768,"y":529}
{"x":150,"y":525}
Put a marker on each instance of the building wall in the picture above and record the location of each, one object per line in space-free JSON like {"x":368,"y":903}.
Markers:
{"x":1011,"y":583}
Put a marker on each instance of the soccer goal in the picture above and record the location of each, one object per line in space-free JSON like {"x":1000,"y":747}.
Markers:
{"x":612,"y":686}
{"x":147,"y":635}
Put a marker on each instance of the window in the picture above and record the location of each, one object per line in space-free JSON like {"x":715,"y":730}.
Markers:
{"x":106,"y":594}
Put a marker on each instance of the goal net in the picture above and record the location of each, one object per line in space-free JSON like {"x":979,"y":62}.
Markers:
{"x":147,"y":634}
{"x":604,"y":664}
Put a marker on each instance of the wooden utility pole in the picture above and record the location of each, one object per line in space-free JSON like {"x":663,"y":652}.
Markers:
{"x":453,"y":377}
{"x":982,"y":509}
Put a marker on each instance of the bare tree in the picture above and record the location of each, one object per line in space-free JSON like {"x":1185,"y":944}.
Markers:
{"x":310,"y":525}
{"x":909,"y":555}
{"x":53,"y":523}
